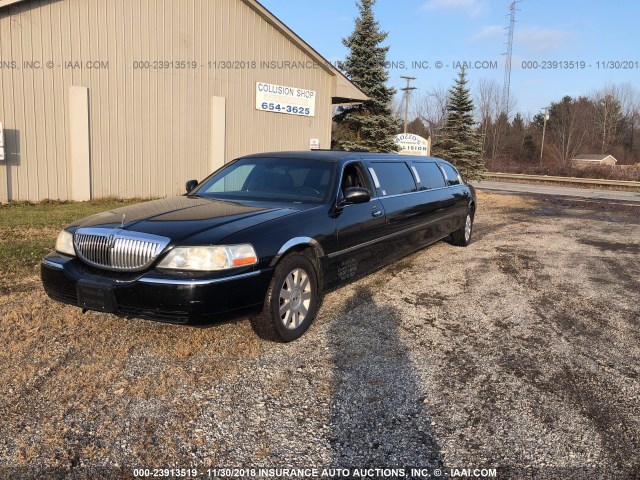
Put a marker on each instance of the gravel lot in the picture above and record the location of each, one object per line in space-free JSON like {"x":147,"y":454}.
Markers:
{"x":520,"y":351}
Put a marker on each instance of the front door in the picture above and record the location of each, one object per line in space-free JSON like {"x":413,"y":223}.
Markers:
{"x":359,"y":228}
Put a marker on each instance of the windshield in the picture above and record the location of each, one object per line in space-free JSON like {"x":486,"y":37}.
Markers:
{"x":271,"y":179}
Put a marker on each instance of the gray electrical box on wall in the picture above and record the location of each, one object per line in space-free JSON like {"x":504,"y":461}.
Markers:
{"x":1,"y":142}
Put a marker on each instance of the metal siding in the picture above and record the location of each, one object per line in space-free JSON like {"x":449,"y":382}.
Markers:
{"x":150,"y":130}
{"x":6,"y":106}
{"x":34,"y":39}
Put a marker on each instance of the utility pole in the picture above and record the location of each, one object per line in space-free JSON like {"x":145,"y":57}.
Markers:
{"x":633,"y":125}
{"x":406,"y":91}
{"x":544,"y":127}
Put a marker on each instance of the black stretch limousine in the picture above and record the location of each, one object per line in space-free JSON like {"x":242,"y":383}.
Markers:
{"x":263,"y":236}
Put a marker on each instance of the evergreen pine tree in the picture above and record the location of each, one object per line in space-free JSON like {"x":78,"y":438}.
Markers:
{"x":517,"y":125}
{"x":459,"y":142}
{"x":369,"y":125}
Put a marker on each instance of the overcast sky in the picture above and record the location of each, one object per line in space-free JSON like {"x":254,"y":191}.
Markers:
{"x":475,"y":30}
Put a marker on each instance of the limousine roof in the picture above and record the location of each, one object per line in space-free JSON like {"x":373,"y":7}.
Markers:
{"x":337,"y":155}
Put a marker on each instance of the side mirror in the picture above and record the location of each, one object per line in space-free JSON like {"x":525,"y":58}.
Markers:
{"x":353,"y":195}
{"x":190,"y":185}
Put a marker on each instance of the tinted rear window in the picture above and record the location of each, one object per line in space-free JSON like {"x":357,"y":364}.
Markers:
{"x":451,"y":173}
{"x":394,"y":178}
{"x":430,"y":175}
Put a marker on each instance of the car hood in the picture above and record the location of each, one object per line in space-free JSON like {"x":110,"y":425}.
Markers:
{"x":182,"y":217}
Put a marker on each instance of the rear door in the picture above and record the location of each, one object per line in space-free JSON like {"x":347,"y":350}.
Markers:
{"x":433,"y":198}
{"x":397,"y":190}
{"x":456,"y":203}
{"x":359,"y":229}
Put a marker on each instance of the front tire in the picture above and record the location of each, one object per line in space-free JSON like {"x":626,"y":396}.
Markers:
{"x":462,"y":236}
{"x":291,"y":303}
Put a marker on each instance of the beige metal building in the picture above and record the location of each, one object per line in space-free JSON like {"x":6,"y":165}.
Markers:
{"x":131,"y":98}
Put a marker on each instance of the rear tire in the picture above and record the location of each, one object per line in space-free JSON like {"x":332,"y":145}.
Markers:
{"x":292,"y":300}
{"x":462,"y":236}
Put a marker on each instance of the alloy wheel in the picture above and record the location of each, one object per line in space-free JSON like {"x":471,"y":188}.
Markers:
{"x":467,"y":228}
{"x":295,"y":298}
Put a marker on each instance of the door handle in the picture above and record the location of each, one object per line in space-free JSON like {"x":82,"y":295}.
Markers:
{"x":375,"y":212}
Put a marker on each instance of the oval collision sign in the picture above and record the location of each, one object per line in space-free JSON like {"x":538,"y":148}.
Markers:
{"x":412,"y":144}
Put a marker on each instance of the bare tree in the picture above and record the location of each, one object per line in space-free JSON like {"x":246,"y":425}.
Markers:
{"x":607,"y":116}
{"x":633,"y":120}
{"x":569,"y":127}
{"x":397,"y":106}
{"x":493,"y":119}
{"x":629,"y":98}
{"x":431,"y":108}
{"x":486,"y":102}
{"x":627,"y":95}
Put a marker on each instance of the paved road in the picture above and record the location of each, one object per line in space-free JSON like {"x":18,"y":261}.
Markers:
{"x":564,"y":191}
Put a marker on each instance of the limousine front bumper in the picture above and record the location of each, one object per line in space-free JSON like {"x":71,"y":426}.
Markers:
{"x":154,"y":295}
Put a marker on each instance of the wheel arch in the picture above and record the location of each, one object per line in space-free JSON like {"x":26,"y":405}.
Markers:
{"x":306,"y":246}
{"x":298,"y":244}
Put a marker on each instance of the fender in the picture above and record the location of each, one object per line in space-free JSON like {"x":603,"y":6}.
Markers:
{"x":294,"y":242}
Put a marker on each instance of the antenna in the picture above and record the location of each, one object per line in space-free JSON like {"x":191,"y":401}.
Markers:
{"x":406,"y":91}
{"x":509,"y":54}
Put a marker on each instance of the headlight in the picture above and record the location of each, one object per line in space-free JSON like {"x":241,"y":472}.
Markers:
{"x":210,"y":258}
{"x":64,"y":243}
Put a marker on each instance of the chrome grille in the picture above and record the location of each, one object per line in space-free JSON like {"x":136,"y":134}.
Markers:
{"x":119,"y":250}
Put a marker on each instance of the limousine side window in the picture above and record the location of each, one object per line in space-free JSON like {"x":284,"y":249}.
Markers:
{"x":453,"y":178}
{"x":395,"y":178}
{"x":430,"y":175}
{"x":352,"y":176}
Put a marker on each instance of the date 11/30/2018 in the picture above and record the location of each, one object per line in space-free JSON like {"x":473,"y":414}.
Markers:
{"x":580,"y":64}
{"x":277,"y":107}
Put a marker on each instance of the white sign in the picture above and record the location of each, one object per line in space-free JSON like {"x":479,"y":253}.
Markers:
{"x":314,"y":144}
{"x":290,"y":100}
{"x":411,"y":144}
